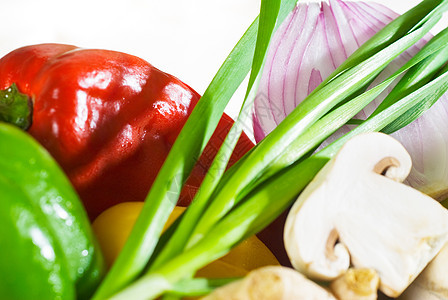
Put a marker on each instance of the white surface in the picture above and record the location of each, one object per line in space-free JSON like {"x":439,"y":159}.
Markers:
{"x":187,"y":38}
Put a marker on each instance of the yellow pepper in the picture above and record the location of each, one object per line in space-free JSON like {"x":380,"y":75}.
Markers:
{"x":114,"y":225}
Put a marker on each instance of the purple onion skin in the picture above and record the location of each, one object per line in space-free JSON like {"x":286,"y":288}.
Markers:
{"x":311,"y":43}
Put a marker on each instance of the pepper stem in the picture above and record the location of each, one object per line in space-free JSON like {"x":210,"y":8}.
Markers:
{"x":15,"y":107}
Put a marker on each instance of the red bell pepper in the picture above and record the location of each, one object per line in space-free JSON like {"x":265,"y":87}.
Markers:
{"x":108,"y":118}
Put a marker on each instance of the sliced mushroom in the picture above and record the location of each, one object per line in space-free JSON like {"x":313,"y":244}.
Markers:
{"x":432,"y":283}
{"x":271,"y":283}
{"x":357,"y":212}
{"x":356,"y":284}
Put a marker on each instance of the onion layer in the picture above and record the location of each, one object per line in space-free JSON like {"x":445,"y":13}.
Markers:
{"x":311,"y":43}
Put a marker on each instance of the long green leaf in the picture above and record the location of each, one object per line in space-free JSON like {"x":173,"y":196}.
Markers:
{"x":273,"y":17}
{"x":198,"y":286}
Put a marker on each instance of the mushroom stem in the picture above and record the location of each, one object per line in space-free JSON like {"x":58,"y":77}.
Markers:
{"x":331,"y":242}
{"x":383,"y":166}
{"x":356,"y":284}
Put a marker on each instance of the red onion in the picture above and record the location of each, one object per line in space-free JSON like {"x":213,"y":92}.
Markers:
{"x":311,"y":43}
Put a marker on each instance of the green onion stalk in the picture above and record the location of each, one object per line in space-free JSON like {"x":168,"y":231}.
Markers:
{"x":235,"y":204}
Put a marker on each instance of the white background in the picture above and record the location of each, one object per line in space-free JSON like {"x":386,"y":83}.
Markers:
{"x":187,"y":38}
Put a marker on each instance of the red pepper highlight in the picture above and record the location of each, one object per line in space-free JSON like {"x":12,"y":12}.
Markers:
{"x":108,"y":118}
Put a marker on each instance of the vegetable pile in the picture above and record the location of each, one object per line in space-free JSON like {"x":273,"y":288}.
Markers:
{"x":121,"y":129}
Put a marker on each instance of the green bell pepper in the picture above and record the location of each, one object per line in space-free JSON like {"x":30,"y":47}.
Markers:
{"x":47,"y":248}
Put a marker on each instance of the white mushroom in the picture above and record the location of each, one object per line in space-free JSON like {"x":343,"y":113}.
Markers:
{"x":271,"y":283}
{"x":432,"y":283}
{"x":356,"y":284}
{"x":357,"y":212}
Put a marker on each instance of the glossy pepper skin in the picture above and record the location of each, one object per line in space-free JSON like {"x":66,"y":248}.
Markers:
{"x":108,"y":118}
{"x":47,"y":247}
